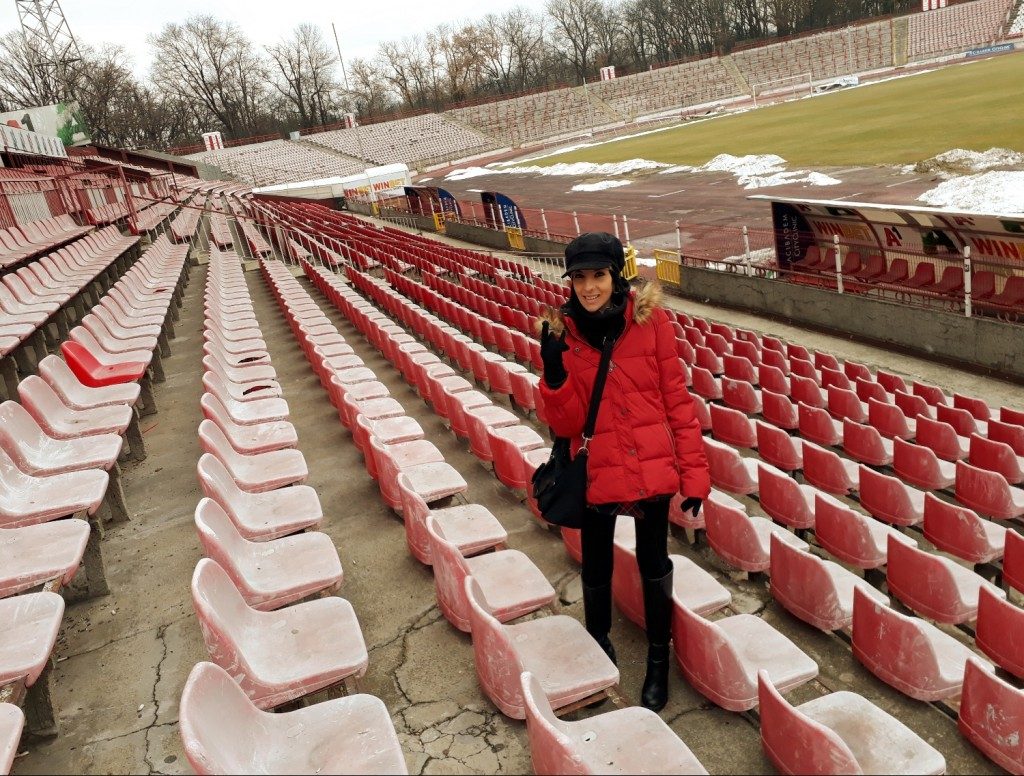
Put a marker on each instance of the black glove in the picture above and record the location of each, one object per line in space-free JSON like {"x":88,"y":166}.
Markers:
{"x":691,"y":503}
{"x":551,"y":350}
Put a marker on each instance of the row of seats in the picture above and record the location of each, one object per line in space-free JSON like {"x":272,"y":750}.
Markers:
{"x":26,"y":241}
{"x":263,"y":593}
{"x":956,"y":28}
{"x":185,"y":224}
{"x":220,"y":231}
{"x":258,"y":245}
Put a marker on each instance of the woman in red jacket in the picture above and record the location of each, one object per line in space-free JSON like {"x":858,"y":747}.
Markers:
{"x":647,"y":443}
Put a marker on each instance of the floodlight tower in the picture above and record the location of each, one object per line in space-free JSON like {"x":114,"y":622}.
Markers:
{"x":47,"y":30}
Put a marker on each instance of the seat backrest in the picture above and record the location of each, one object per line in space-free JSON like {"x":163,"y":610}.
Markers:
{"x":977,"y":407}
{"x":995,"y":456}
{"x":18,"y":432}
{"x":995,"y":734}
{"x":843,"y":532}
{"x":39,"y":398}
{"x":794,"y":569}
{"x":450,"y":567}
{"x":223,"y":614}
{"x":884,"y":637}
{"x":218,"y":484}
{"x":218,"y":535}
{"x":552,"y":749}
{"x":708,"y":653}
{"x":220,"y":727}
{"x":497,"y":663}
{"x":795,"y":742}
{"x":914,"y":575}
{"x":954,"y":528}
{"x":961,"y":420}
{"x":938,"y":436}
{"x":804,"y":390}
{"x":213,"y":440}
{"x":779,"y":410}
{"x":999,"y":623}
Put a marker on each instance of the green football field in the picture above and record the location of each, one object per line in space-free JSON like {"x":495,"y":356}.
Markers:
{"x":977,"y":106}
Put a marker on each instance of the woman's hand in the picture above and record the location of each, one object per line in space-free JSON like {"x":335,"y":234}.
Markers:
{"x":691,"y":503}
{"x":551,"y":350}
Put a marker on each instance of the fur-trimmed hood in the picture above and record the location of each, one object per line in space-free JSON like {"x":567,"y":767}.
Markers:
{"x":645,"y":299}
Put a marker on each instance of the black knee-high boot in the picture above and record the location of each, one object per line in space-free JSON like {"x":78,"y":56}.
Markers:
{"x":658,"y":614}
{"x":597,"y":608}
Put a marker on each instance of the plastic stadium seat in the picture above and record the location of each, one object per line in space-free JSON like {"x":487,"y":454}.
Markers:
{"x":803,"y":367}
{"x":977,"y":407}
{"x":35,"y":554}
{"x":778,"y":448}
{"x":784,"y":499}
{"x":259,"y":516}
{"x":941,"y":438}
{"x":248,"y":439}
{"x":866,"y":444}
{"x":729,"y":471}
{"x":827,"y":471}
{"x":37,"y":454}
{"x":951,"y":282}
{"x":739,"y":368}
{"x":841,"y":732}
{"x":722,"y":659}
{"x":512,"y":585}
{"x":277,"y":656}
{"x":889,"y":499}
{"x":732,"y":427}
{"x":817,"y":591}
{"x":273,"y":573}
{"x":869,"y":389}
{"x":61,"y":422}
{"x":959,"y":531}
{"x":999,"y":630}
{"x":700,"y":409}
{"x":741,"y":396}
{"x":907,"y":653}
{"x":962,"y":421}
{"x":27,"y":500}
{"x":93,"y":373}
{"x":890,"y":420}
{"x":510,"y":448}
{"x":777,"y":359}
{"x":924,"y":275}
{"x":891,"y":382}
{"x":913,"y":406}
{"x":77,"y":395}
{"x":852,"y":537}
{"x":933,"y":586}
{"x":741,"y":540}
{"x":1007,"y":433}
{"x":705,"y":384}
{"x":569,"y":664}
{"x":779,"y":410}
{"x":844,"y":404}
{"x":696,"y":522}
{"x":1012,"y":294}
{"x":31,"y":623}
{"x":12,"y":722}
{"x":253,"y":473}
{"x":772,"y":379}
{"x":816,"y":425}
{"x":997,"y":734}
{"x":872,"y":269}
{"x":605,"y":743}
{"x":983,"y":285}
{"x":224,"y":732}
{"x":1009,"y":415}
{"x":997,"y":457}
{"x":423,"y":467}
{"x":1013,"y":561}
{"x":833,"y":378}
{"x":988,"y":493}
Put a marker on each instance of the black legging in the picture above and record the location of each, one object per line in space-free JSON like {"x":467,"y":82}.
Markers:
{"x":651,"y":543}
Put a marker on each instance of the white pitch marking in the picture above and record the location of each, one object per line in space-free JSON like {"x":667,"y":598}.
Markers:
{"x":847,"y":169}
{"x":669,"y":194}
{"x":847,"y":196}
{"x":900,"y":183}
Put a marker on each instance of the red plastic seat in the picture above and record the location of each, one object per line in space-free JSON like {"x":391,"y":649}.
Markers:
{"x":806,"y":391}
{"x":722,"y":659}
{"x":866,"y":444}
{"x":997,"y":457}
{"x":889,"y":499}
{"x":1013,"y":560}
{"x":890,"y":420}
{"x":705,"y":384}
{"x":907,"y":653}
{"x":784,"y":499}
{"x":977,"y":407}
{"x":844,"y":404}
{"x":1007,"y":433}
{"x":93,"y":374}
{"x":729,"y":471}
{"x":779,"y":410}
{"x":941,"y":438}
{"x":962,"y":421}
{"x":853,"y":538}
{"x":891,"y":382}
{"x":957,"y":530}
{"x":799,"y":367}
{"x":924,"y":275}
{"x":991,"y":716}
{"x":1012,"y":294}
{"x":741,"y":540}
{"x":1000,"y":630}
{"x":779,"y":448}
{"x":732,"y":427}
{"x":816,"y":425}
{"x":841,"y":732}
{"x":817,"y":591}
{"x":913,"y":406}
{"x":741,"y":396}
{"x":869,"y":389}
{"x":775,"y":358}
{"x":1009,"y":415}
{"x":739,"y":368}
{"x":771,"y":378}
{"x":988,"y":493}
{"x":833,"y":377}
{"x":951,"y":282}
{"x":827,"y":471}
{"x":510,"y":446}
{"x":707,"y":359}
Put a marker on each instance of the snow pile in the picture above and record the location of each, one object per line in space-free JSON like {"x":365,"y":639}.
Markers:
{"x":576,"y":169}
{"x":757,"y":171}
{"x":647,"y":262}
{"x":599,"y":186}
{"x":960,"y":160}
{"x":1000,"y":193}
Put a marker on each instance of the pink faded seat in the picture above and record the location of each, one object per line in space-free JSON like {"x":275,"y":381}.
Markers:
{"x":479,"y":420}
{"x":224,"y":732}
{"x":35,"y":453}
{"x":421,"y":464}
{"x":282,"y":655}
{"x":933,"y":586}
{"x":741,"y":540}
{"x":841,"y":732}
{"x":958,"y":530}
{"x":732,"y":427}
{"x":259,"y":516}
{"x":907,"y":653}
{"x":997,"y":457}
{"x":695,"y":522}
{"x":890,"y":500}
{"x":818,"y":426}
{"x":819,"y":592}
{"x":784,"y":499}
{"x":692,"y":586}
{"x":510,"y":582}
{"x":273,"y":573}
{"x":61,"y":422}
{"x":214,"y":382}
{"x":729,"y":471}
{"x":249,"y":439}
{"x":253,"y":473}
{"x":605,"y":743}
{"x":721,"y":659}
{"x":991,"y":716}
{"x":252,"y":411}
{"x":942,"y":438}
{"x":31,"y":623}
{"x":569,"y":664}
{"x":35,"y":554}
{"x":459,"y":403}
{"x":26,"y":500}
{"x":852,"y":537}
{"x":12,"y":721}
{"x":1000,"y":628}
{"x":741,"y":396}
{"x":779,"y":410}
{"x":470,"y":527}
{"x":827,"y":471}
{"x":988,"y":493}
{"x":93,"y":373}
{"x":75,"y":394}
{"x":866,"y":444}
{"x":778,"y":448}
{"x":920,"y":466}
{"x":509,"y":447}
{"x":244,"y":371}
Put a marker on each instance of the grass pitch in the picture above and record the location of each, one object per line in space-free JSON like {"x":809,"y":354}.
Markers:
{"x":976,"y":105}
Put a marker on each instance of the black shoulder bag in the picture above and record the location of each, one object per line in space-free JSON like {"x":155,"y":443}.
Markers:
{"x":560,"y":483}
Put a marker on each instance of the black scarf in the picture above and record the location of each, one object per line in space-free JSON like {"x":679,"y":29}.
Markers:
{"x":606,"y":323}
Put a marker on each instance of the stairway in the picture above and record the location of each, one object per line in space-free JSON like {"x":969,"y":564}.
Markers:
{"x":729,"y":64}
{"x":900,"y":41}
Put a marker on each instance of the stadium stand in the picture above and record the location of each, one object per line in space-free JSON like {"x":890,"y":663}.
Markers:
{"x":956,"y":28}
{"x":279,"y":161}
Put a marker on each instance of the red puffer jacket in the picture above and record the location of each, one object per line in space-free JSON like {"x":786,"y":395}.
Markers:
{"x":647,"y":441}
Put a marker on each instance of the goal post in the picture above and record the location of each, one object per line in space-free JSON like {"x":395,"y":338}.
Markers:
{"x":787,"y":84}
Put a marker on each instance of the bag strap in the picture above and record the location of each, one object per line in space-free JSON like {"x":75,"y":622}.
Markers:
{"x":595,"y":396}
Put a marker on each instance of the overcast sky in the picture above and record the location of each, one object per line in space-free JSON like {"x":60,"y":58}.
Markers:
{"x":361,"y":25}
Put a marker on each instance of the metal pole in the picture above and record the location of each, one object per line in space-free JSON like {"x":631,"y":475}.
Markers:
{"x":344,"y":74}
{"x":839,"y":263}
{"x":967,"y":281}
{"x":576,"y":221}
{"x":590,"y":105}
{"x":625,"y":227}
{"x":544,"y":220}
{"x":615,"y":221}
{"x":746,"y":251}
{"x":679,"y":238}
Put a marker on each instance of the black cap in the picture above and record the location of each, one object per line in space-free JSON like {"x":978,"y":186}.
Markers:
{"x":594,"y":250}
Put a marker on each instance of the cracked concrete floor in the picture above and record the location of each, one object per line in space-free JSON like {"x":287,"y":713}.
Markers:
{"x":123,"y":659}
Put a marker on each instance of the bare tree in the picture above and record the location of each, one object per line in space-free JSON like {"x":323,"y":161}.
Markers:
{"x":370,"y":95}
{"x":575,"y":22}
{"x":24,"y":80}
{"x":304,"y":66}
